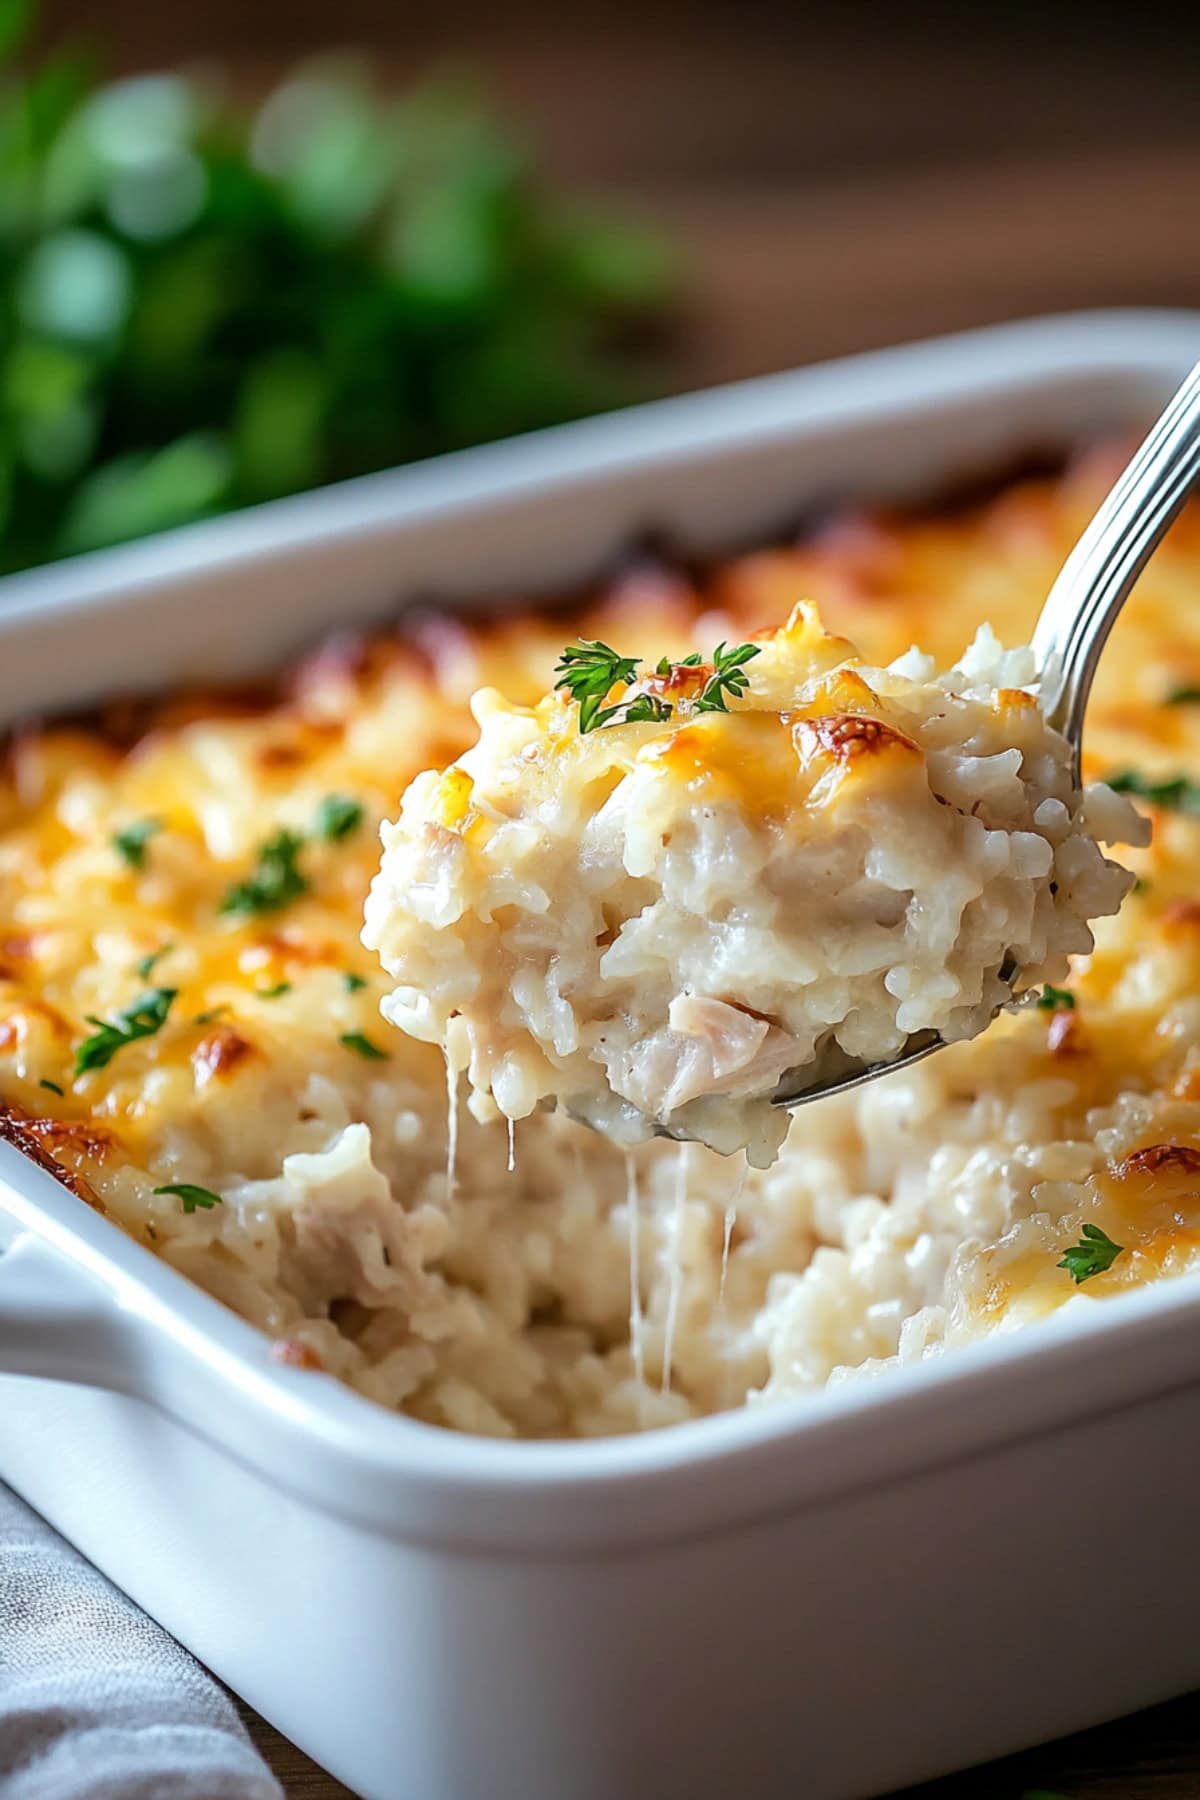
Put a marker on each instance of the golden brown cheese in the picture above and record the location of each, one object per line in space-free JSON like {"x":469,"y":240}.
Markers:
{"x":263,"y":1005}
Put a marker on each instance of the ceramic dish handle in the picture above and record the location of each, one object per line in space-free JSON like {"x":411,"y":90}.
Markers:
{"x":56,"y":1322}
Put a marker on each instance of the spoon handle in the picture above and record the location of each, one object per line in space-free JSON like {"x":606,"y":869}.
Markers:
{"x":1096,"y":579}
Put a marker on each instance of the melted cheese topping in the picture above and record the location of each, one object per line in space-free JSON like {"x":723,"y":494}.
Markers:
{"x":506,"y":1308}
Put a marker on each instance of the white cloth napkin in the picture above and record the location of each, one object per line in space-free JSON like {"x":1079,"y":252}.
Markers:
{"x":96,"y":1701}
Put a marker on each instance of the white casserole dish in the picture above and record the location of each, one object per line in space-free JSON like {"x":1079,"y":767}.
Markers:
{"x":825,"y":1599}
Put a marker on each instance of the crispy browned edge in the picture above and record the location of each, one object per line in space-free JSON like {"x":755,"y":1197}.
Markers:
{"x":22,"y":1131}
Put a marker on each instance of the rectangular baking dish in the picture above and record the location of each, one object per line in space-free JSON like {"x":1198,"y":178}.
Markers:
{"x":824,"y":1599}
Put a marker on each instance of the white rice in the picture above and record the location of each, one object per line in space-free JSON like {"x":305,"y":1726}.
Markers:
{"x":653,"y":924}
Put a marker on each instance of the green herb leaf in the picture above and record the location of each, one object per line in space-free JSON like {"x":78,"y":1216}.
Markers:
{"x":728,"y":679}
{"x":1092,"y":1256}
{"x":273,"y":993}
{"x":1054,"y":999}
{"x":1183,"y":696}
{"x":1174,"y":793}
{"x":130,"y":843}
{"x":275,"y":882}
{"x":142,"y":1019}
{"x":646,"y":707}
{"x":191,"y":1195}
{"x":589,"y":670}
{"x":206,"y":1018}
{"x":354,"y":983}
{"x":52,"y":1087}
{"x":338,"y":817}
{"x":146,"y":964}
{"x":362,"y":1046}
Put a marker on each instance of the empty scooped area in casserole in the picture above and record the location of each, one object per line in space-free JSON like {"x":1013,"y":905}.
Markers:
{"x":190,"y":1027}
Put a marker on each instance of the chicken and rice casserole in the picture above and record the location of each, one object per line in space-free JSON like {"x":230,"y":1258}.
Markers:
{"x":191,"y":1033}
{"x":653,"y":902}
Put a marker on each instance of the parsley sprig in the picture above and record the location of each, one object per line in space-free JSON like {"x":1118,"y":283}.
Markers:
{"x":278,"y":878}
{"x":191,"y":1195}
{"x":276,"y":881}
{"x":131,"y":841}
{"x":1174,"y":793}
{"x":590,"y":669}
{"x":146,"y":1016}
{"x":729,"y":677}
{"x":1095,"y":1253}
{"x":338,"y":817}
{"x":1052,"y":999}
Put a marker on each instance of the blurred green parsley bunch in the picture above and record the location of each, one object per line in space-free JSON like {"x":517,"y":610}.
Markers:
{"x":201,"y":308}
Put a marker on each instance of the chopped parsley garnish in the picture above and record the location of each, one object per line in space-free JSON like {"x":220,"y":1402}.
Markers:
{"x":276,"y":881}
{"x":206,"y":1018}
{"x":646,"y":708}
{"x":590,"y":669}
{"x":146,"y":965}
{"x":354,"y":983}
{"x":1092,"y":1256}
{"x":1183,"y":696}
{"x":52,"y":1086}
{"x":1175,"y":793}
{"x":1054,"y":999}
{"x":362,"y":1046}
{"x":728,"y":677}
{"x":142,"y":1019}
{"x":191,"y":1195}
{"x":273,"y":993}
{"x":338,"y":817}
{"x":130,"y":842}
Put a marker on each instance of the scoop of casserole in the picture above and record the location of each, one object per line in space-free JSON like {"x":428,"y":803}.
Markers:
{"x":651,"y":896}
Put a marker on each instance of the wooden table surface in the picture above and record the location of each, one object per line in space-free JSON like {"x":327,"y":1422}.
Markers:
{"x":1153,"y":1756}
{"x":834,"y":182}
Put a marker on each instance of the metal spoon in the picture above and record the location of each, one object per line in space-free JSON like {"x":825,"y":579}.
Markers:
{"x":1080,"y":611}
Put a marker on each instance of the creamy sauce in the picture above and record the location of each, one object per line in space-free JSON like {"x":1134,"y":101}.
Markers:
{"x":674,"y":1234}
{"x":730,"y":1222}
{"x":636,"y":1334}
